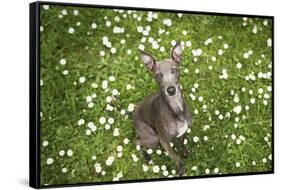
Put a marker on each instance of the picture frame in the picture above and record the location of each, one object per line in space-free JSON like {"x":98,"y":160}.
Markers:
{"x":67,"y":108}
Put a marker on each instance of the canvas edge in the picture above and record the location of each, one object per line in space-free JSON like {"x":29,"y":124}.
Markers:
{"x":34,"y":85}
{"x":34,"y":95}
{"x":273,"y":97}
{"x":154,"y":9}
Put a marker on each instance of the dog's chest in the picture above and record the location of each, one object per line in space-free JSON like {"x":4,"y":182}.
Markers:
{"x":177,"y":129}
{"x":181,"y":129}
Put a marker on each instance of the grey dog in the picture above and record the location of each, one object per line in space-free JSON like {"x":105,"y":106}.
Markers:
{"x":163,"y":116}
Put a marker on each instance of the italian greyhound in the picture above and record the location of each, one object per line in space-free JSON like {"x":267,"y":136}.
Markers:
{"x":162,"y":116}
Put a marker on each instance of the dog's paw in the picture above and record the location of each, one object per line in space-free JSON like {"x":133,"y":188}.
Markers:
{"x":185,"y":153}
{"x":147,"y":157}
{"x":181,"y":169}
{"x":150,"y":162}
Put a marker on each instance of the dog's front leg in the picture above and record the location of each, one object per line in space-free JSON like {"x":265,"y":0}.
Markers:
{"x":173,"y":155}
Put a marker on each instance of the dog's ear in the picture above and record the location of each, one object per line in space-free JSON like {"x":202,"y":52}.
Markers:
{"x":148,"y":60}
{"x":176,"y":53}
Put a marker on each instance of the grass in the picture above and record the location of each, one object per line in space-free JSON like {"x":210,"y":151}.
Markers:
{"x":72,"y":63}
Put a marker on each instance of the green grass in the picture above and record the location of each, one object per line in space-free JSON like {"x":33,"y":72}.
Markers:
{"x":64,"y":97}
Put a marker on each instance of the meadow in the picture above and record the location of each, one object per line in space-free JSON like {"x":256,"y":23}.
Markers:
{"x":91,"y":80}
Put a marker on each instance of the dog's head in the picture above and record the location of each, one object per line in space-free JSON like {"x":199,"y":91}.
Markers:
{"x":166,"y":72}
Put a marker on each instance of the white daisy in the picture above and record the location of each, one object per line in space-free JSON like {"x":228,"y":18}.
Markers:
{"x":131,"y":107}
{"x":88,"y":132}
{"x":50,"y":161}
{"x":167,"y":22}
{"x":46,"y":7}
{"x":111,"y":120}
{"x":165,"y":173}
{"x":104,"y":84}
{"x":81,"y":122}
{"x":216,"y":170}
{"x":102,"y":120}
{"x":122,"y":112}
{"x":71,"y":30}
{"x":82,"y":79}
{"x":239,"y":65}
{"x":237,"y":164}
{"x":61,"y":152}
{"x":94,"y":25}
{"x":115,"y":92}
{"x":144,"y":167}
{"x":108,"y":99}
{"x":126,"y":141}
{"x":45,"y":143}
{"x":69,"y":152}
{"x":195,"y":139}
{"x":194,"y":168}
{"x":111,"y":78}
{"x":107,"y":126}
{"x":156,"y":169}
{"x":128,"y":86}
{"x":269,"y":42}
{"x":64,"y":12}
{"x":98,"y":167}
{"x":62,"y":61}
{"x":94,"y":85}
{"x":116,"y":132}
{"x":220,"y":52}
{"x":75,"y":12}
{"x":119,"y":148}
{"x":237,"y":109}
{"x":64,"y":170}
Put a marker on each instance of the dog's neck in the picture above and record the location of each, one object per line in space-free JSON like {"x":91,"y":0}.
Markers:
{"x":175,"y":103}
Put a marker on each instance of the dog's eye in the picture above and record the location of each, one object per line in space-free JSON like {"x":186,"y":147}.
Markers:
{"x":158,"y":76}
{"x":174,"y":70}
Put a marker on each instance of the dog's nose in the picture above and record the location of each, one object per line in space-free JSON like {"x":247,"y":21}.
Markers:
{"x":171,"y":90}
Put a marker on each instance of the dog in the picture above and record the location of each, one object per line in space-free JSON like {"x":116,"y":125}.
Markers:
{"x":163,"y":116}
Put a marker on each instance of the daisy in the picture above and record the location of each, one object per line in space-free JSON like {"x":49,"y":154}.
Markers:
{"x":156,"y":169}
{"x":50,"y":161}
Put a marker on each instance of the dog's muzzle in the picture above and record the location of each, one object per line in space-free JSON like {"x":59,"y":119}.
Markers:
{"x":171,"y":90}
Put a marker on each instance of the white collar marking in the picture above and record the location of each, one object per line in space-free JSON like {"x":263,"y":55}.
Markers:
{"x":182,"y":129}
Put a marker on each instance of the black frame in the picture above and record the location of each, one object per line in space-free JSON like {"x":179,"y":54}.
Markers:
{"x":34,"y":93}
